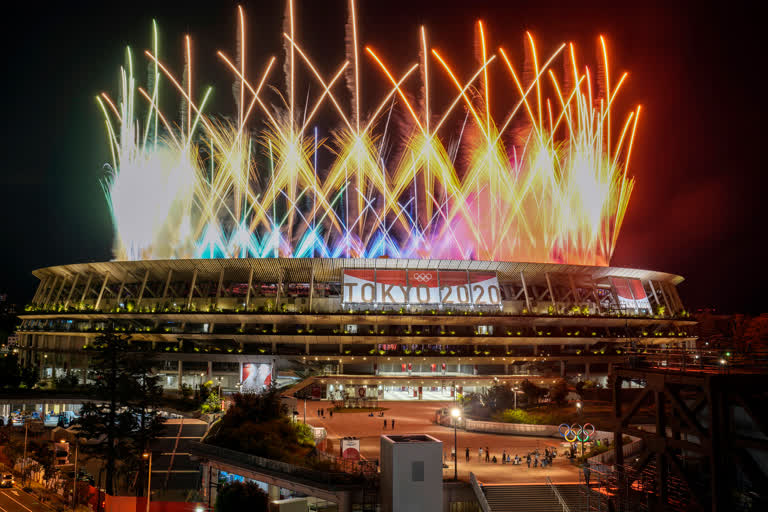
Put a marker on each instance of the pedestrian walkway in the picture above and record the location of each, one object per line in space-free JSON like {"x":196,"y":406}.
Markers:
{"x":413,"y":417}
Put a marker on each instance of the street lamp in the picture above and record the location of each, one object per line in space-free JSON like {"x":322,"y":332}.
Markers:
{"x":148,"y":455}
{"x":515,"y":390}
{"x":24,"y":460}
{"x":578,"y":407}
{"x":74,"y":478}
{"x":456,"y":416}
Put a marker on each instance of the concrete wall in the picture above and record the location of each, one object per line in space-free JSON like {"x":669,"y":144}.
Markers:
{"x":411,"y":475}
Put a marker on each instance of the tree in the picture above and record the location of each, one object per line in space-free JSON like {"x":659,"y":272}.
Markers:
{"x":121,"y":427}
{"x":559,"y":392}
{"x":239,"y":496}
{"x":13,"y":375}
{"x":258,"y":424}
{"x":532,"y":391}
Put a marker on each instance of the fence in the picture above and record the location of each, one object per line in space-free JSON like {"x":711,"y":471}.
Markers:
{"x":335,"y":471}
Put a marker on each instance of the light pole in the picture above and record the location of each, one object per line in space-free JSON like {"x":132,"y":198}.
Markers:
{"x":74,"y":478}
{"x":148,"y":455}
{"x":515,"y":390}
{"x":456,"y":416}
{"x":24,"y":460}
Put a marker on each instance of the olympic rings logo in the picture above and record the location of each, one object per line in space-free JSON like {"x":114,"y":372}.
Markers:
{"x":576,"y":432}
{"x":422,"y":277}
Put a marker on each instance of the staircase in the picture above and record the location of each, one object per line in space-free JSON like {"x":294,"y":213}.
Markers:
{"x":531,"y":498}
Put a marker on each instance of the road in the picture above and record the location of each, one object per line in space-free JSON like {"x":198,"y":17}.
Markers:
{"x":16,"y":500}
{"x":414,"y":417}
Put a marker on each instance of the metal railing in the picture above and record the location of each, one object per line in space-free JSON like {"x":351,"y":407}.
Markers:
{"x":558,"y":496}
{"x":479,"y":494}
{"x":334,"y":473}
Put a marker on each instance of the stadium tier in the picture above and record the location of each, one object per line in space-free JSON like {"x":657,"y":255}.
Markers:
{"x":401,"y":323}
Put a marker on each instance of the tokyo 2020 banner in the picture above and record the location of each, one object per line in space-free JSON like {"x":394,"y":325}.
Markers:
{"x":454,"y":287}
{"x":257,"y":377}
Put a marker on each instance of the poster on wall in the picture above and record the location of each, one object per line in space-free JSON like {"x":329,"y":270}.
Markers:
{"x":420,"y":287}
{"x":350,"y":448}
{"x":257,"y":377}
{"x":631,"y":294}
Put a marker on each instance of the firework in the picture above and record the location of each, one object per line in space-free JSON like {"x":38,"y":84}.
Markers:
{"x":547,"y":183}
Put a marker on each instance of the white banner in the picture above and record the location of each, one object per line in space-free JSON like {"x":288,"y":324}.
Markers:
{"x":420,"y":287}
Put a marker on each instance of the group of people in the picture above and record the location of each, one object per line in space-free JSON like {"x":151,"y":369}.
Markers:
{"x":535,"y":457}
{"x":321,"y":413}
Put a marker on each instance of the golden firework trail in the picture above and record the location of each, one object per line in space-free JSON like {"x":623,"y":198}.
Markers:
{"x":547,"y":182}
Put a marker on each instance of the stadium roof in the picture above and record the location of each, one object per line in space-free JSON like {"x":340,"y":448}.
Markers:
{"x":300,"y":270}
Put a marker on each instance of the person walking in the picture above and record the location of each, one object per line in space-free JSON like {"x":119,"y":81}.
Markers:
{"x":393,"y":423}
{"x":487,"y":454}
{"x":330,"y":413}
{"x":587,"y":472}
{"x":528,"y":460}
{"x":480,"y":454}
{"x":466,"y":454}
{"x":385,"y":423}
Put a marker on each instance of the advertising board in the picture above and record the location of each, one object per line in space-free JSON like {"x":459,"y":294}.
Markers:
{"x":256,"y":377}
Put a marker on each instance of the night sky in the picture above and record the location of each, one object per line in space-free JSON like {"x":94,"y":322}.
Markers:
{"x":697,"y":209}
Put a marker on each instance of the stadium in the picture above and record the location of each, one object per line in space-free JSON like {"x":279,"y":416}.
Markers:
{"x":370,"y":328}
{"x":438,"y":253}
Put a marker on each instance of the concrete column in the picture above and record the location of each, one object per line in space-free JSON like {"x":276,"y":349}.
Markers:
{"x":210,"y":370}
{"x":71,"y":290}
{"x":248,"y":293}
{"x":61,"y":289}
{"x":341,"y":367}
{"x":50,"y":292}
{"x":219,"y":287}
{"x":525,"y":291}
{"x":551,"y":292}
{"x":311,"y":287}
{"x":586,"y":371}
{"x":573,"y":290}
{"x":610,"y":368}
{"x":306,"y":347}
{"x":562,"y":368}
{"x":192,"y":288}
{"x":506,"y":369}
{"x":180,"y":372}
{"x":274,"y":492}
{"x":141,"y":290}
{"x":120,"y":292}
{"x":86,"y":289}
{"x":167,"y":284}
{"x":39,"y":293}
{"x":101,"y":291}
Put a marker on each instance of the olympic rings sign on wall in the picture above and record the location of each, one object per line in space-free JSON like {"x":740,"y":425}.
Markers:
{"x":576,"y":432}
{"x":422,"y":277}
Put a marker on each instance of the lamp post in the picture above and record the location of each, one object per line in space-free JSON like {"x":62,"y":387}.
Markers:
{"x":24,"y":459}
{"x":456,"y":416}
{"x":515,"y":390}
{"x":578,"y":407}
{"x":148,"y":455}
{"x":74,"y":478}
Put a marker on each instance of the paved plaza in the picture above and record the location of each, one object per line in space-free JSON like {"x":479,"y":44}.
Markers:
{"x":414,"y":417}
